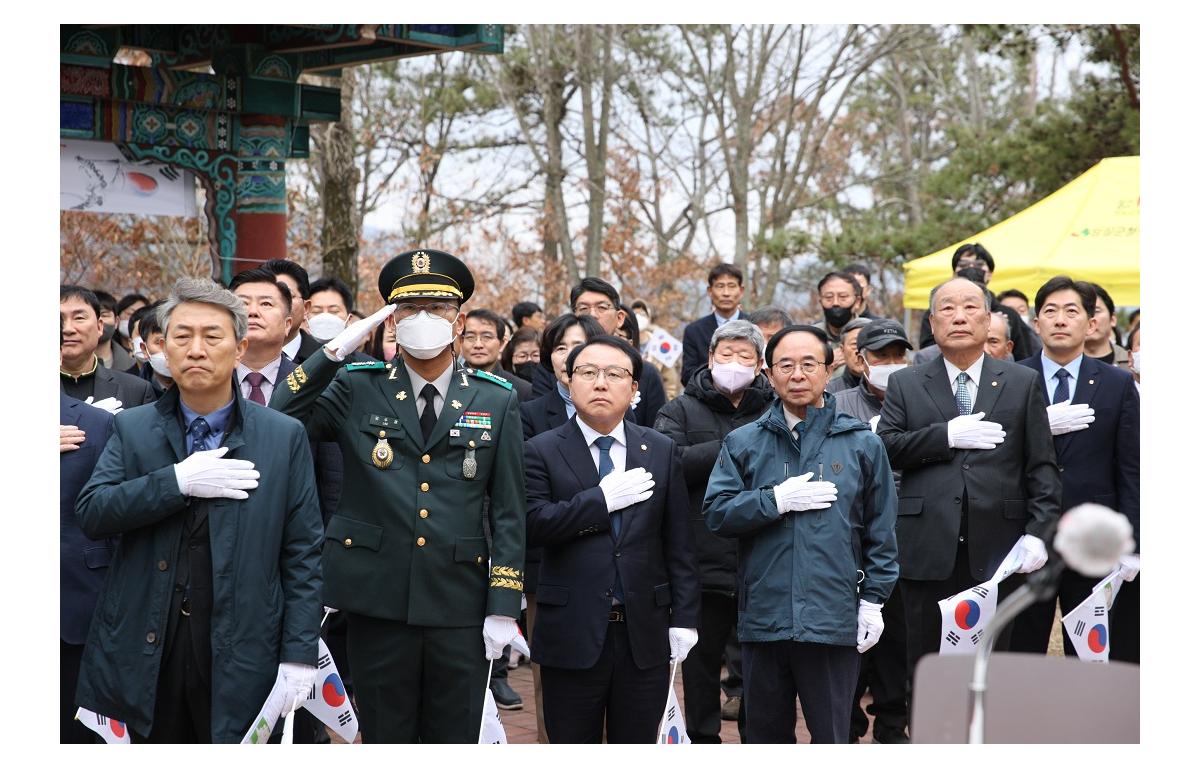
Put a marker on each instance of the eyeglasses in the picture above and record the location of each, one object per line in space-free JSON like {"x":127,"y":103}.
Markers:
{"x":443,"y":309}
{"x":613,"y":374}
{"x":525,"y":357}
{"x":486,"y":338}
{"x":587,"y":309}
{"x":787,"y":367}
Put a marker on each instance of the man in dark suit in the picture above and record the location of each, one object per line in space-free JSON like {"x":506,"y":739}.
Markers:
{"x":725,"y":290}
{"x":83,"y":563}
{"x":299,"y":344}
{"x":481,"y":343}
{"x":1095,"y":413}
{"x":971,"y":488}
{"x":619,"y":592}
{"x":80,"y":372}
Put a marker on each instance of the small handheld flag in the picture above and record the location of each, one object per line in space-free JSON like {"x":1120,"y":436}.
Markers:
{"x":672,"y":729}
{"x":112,"y":731}
{"x":967,"y":614}
{"x":328,"y":701}
{"x":664,"y":347}
{"x":1087,"y":623}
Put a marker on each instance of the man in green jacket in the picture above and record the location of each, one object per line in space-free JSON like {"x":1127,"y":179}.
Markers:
{"x":808,"y":493}
{"x":425,"y":553}
{"x":214,"y":591}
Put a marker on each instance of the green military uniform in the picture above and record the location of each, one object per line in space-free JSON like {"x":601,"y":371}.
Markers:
{"x":406,"y":556}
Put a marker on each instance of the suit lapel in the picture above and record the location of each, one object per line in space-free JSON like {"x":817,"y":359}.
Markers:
{"x":937,"y":387}
{"x":991,"y":384}
{"x":71,"y":416}
{"x":106,"y":385}
{"x":1089,"y":381}
{"x":460,"y":391}
{"x":168,"y":424}
{"x":396,"y":389}
{"x":635,"y":457}
{"x":1041,"y":372}
{"x":577,"y":456}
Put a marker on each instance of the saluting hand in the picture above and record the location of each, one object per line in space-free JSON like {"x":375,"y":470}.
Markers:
{"x":348,"y":340}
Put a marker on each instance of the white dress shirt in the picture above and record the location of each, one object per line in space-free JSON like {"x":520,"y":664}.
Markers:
{"x":270,"y":371}
{"x":1050,"y":368}
{"x":975,"y":372}
{"x":292,"y":348}
{"x":441,"y":384}
{"x":616,"y":452}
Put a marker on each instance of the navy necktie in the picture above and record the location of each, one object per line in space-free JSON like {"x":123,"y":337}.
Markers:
{"x":1062,"y":392}
{"x":199,"y":431}
{"x":605,"y":443}
{"x":962,"y":395}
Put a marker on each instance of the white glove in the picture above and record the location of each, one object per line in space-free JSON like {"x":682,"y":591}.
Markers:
{"x":498,"y":631}
{"x":870,"y":624}
{"x":1131,"y":565}
{"x":681,"y":640}
{"x":206,"y":475}
{"x":356,"y":333}
{"x":637,"y":398}
{"x":1033,"y":553}
{"x":110,"y":404}
{"x":298,"y":682}
{"x":624,"y":489}
{"x":874,"y":422}
{"x":1065,"y":417}
{"x":971,"y":431}
{"x":797,"y":494}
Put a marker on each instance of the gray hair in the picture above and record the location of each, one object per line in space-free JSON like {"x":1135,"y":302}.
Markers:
{"x":1007,"y":327}
{"x":742,"y":330}
{"x":770,"y":316}
{"x":204,"y":291}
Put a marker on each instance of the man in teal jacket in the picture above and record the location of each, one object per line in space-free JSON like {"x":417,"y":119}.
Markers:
{"x":808,"y":493}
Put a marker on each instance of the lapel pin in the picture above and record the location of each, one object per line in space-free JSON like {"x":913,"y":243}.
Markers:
{"x":644,"y":448}
{"x":994,"y":384}
{"x":401,"y":395}
{"x":455,"y":404}
{"x":392,"y":375}
{"x":1091,"y":381}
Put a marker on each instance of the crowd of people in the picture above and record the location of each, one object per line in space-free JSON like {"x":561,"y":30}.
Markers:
{"x":785,"y":506}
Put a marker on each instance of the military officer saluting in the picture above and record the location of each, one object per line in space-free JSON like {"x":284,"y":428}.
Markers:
{"x":414,"y":558}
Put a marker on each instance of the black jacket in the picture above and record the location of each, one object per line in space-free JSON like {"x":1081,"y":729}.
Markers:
{"x":698,"y":421}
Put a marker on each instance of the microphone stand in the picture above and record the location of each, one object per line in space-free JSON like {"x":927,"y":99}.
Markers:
{"x":1038,"y":587}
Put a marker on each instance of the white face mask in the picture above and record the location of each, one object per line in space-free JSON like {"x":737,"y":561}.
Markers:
{"x":1135,"y":361}
{"x":158,"y":361}
{"x":139,"y":350}
{"x":325,"y":326}
{"x":123,"y":327}
{"x":732,"y":377}
{"x":423,"y":335}
{"x":878,"y":375}
{"x":642,"y":321}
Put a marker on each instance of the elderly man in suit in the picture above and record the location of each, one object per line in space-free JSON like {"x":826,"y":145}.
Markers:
{"x":83,"y":562}
{"x":1095,"y":413}
{"x":215,"y":588}
{"x":971,"y":436}
{"x":619,"y":592}
{"x":81,"y":374}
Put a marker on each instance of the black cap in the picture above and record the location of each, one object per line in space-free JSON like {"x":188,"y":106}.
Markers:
{"x":425,"y":274}
{"x":881,"y":332}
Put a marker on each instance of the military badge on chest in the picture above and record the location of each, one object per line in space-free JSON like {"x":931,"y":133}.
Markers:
{"x":382,"y":455}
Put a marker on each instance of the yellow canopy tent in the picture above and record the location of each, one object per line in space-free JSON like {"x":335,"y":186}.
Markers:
{"x":1088,"y":229}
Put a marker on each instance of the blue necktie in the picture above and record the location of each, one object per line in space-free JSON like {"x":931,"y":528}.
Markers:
{"x":962,"y":396}
{"x":605,"y":443}
{"x":1062,"y":392}
{"x":200,"y":432}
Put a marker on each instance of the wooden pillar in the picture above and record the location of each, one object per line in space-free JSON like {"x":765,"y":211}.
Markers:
{"x":263,"y":143}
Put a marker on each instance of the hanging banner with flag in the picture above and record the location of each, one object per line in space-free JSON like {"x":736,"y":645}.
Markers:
{"x":112,"y":731}
{"x":491,"y":728}
{"x":98,"y":177}
{"x":328,"y":701}
{"x":967,"y":614}
{"x":1087,"y":624}
{"x":672,"y":729}
{"x":664,"y":347}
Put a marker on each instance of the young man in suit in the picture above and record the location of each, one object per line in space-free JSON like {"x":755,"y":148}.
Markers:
{"x":725,"y":290}
{"x":1095,"y":413}
{"x":971,"y":488}
{"x":618,"y":596}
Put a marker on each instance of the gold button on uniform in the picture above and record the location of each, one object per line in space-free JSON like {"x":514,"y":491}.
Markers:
{"x":424,"y":486}
{"x":479,"y":559}
{"x":470,"y":443}
{"x":425,"y":459}
{"x":382,"y":433}
{"x":348,"y":542}
{"x":420,"y":541}
{"x":424,"y":513}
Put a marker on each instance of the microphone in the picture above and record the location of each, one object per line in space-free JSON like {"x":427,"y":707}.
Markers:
{"x":1091,"y":539}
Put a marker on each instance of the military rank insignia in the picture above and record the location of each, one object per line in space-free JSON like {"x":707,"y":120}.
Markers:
{"x":475,"y":420}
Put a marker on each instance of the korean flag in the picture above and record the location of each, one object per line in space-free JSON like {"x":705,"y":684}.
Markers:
{"x":964,"y":617}
{"x":112,"y":731}
{"x":328,"y":700}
